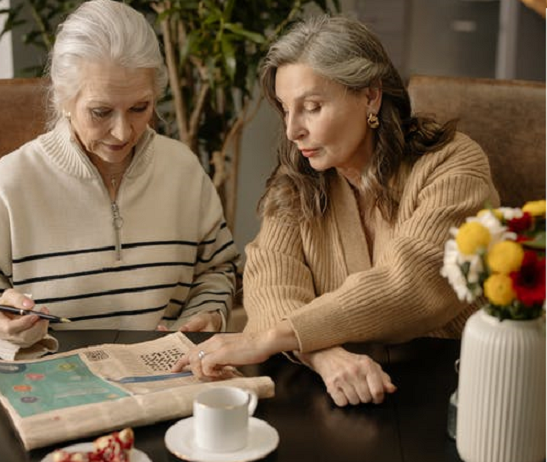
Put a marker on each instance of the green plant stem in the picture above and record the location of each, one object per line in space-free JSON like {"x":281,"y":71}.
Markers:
{"x":41,"y":26}
{"x":195,"y":116}
{"x":174,"y":81}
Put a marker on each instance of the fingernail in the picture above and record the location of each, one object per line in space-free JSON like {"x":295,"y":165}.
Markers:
{"x":27,"y":303}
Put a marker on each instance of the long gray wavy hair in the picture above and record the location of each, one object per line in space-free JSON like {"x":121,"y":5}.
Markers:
{"x":346,"y":51}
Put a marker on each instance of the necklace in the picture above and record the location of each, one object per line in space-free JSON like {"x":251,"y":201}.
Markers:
{"x":116,"y":177}
{"x":111,"y":173}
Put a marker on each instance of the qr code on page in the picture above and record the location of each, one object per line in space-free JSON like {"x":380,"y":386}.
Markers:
{"x":96,"y":355}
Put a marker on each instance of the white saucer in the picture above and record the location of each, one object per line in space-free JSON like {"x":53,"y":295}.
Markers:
{"x":179,"y":439}
{"x":136,"y":454}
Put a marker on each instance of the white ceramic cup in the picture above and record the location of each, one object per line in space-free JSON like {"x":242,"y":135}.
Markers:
{"x":221,"y":418}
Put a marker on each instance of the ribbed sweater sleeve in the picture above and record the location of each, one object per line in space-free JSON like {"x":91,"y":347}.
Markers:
{"x":402,"y":295}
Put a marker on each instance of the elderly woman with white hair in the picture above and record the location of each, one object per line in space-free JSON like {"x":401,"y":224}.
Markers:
{"x":103,"y":220}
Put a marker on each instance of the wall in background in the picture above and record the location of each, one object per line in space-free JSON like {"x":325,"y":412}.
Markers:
{"x":474,"y":38}
{"x":6,"y":54}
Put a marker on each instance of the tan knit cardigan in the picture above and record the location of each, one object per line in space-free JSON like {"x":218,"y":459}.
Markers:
{"x":333,"y":291}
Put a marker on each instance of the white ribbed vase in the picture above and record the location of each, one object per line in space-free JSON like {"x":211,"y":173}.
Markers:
{"x":501,"y":390}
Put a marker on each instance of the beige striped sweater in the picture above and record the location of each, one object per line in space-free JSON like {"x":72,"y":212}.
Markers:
{"x":160,"y":253}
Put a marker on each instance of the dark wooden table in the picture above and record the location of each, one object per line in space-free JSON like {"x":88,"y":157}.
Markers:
{"x":410,"y":426}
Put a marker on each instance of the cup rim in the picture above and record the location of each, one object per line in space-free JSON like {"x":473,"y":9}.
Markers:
{"x":245,"y":403}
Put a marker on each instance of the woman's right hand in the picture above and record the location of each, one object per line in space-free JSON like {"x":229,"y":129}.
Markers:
{"x":23,"y":331}
{"x":350,"y":378}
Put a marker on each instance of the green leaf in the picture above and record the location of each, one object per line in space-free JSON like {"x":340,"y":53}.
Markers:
{"x":228,"y":56}
{"x":228,"y":8}
{"x":238,"y":30}
{"x":538,"y":242}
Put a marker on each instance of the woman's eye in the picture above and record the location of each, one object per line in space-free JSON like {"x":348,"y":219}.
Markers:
{"x":100,"y":113}
{"x":141,"y":108}
{"x":312,"y":107}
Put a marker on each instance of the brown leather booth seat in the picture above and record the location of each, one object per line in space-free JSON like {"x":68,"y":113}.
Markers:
{"x":22,"y":111}
{"x":506,"y":117}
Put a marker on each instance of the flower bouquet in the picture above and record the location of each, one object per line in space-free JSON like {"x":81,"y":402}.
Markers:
{"x":499,"y":255}
{"x":497,"y":259}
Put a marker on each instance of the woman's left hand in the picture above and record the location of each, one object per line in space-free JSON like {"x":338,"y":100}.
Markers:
{"x":350,"y":378}
{"x":203,"y":322}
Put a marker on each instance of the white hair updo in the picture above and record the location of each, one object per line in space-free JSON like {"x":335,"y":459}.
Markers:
{"x":101,"y":31}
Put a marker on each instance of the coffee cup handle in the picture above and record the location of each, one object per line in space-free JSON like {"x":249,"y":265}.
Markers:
{"x":253,"y":401}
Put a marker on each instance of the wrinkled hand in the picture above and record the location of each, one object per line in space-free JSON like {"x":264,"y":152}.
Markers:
{"x":350,"y":378}
{"x":203,"y":322}
{"x":23,"y":331}
{"x":224,"y":350}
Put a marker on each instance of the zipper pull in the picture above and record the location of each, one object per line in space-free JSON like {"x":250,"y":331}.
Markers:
{"x":117,"y":222}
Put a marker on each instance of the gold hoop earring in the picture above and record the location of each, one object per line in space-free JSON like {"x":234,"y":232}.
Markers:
{"x":372,"y":121}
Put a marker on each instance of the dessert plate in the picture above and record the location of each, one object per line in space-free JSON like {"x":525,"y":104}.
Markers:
{"x":179,"y":439}
{"x":136,"y":454}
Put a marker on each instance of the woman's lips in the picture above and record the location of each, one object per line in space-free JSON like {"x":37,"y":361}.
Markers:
{"x":116,"y":147}
{"x":309,"y":152}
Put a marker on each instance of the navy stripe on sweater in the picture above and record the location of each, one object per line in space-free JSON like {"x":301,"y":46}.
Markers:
{"x":221,"y":249}
{"x":124,"y":290}
{"x":116,"y":269}
{"x":109,"y":248}
{"x":113,"y":314}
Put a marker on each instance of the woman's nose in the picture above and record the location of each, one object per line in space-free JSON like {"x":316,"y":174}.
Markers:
{"x":294,"y":129}
{"x":121,"y":129}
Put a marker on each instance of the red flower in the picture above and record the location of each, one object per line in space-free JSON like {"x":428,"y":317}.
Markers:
{"x":521,"y":238}
{"x":519,"y":225}
{"x":529,"y":281}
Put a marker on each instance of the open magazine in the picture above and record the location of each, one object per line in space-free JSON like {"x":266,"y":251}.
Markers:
{"x":102,"y":388}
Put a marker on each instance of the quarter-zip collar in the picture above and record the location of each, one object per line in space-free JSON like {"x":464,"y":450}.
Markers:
{"x":62,"y":148}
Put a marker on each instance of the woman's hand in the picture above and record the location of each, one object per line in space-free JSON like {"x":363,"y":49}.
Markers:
{"x":223,"y":350}
{"x":209,"y":358}
{"x":350,"y":378}
{"x":203,"y":322}
{"x":23,"y":331}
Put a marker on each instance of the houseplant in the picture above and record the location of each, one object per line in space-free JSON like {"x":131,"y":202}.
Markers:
{"x":213,"y":49}
{"x":497,"y":258}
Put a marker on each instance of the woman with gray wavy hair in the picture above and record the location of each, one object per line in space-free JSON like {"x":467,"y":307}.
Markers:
{"x":355,"y":216}
{"x":104,"y":221}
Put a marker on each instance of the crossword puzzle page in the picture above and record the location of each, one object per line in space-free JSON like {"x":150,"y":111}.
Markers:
{"x":105,"y":387}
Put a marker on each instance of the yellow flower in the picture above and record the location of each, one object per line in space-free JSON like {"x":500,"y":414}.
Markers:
{"x":498,"y":288}
{"x":535,"y":208}
{"x":505,"y":257}
{"x":472,"y":236}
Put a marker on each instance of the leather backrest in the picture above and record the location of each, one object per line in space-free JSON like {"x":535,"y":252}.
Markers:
{"x":22,"y":111}
{"x":506,"y":117}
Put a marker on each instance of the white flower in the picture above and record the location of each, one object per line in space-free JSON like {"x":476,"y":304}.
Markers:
{"x":451,"y":270}
{"x":510,"y":213}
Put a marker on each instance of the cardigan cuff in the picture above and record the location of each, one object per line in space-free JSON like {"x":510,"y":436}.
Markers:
{"x":310,"y":331}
